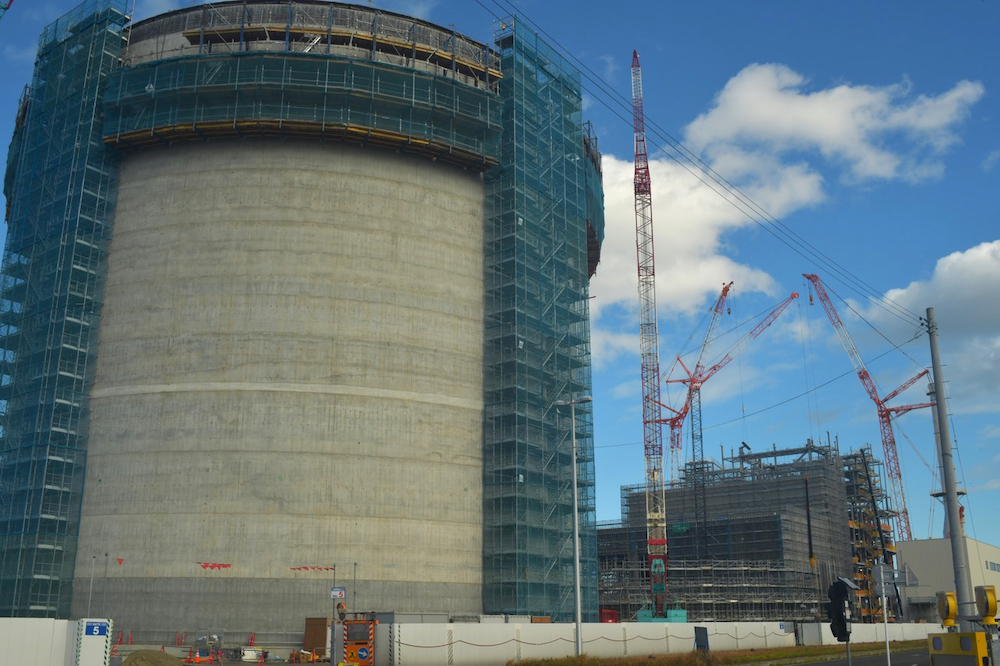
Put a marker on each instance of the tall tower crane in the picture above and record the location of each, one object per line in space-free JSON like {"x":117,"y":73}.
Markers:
{"x":885,"y":412}
{"x":694,"y":381}
{"x":4,"y":6}
{"x":652,"y":423}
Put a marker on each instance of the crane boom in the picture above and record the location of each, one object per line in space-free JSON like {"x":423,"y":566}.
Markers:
{"x":693,"y":399}
{"x":885,"y":412}
{"x":692,"y":404}
{"x":652,"y":423}
{"x":695,"y":378}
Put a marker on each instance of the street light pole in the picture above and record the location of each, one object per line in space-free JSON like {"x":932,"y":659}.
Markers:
{"x":90,"y":595}
{"x":104,"y":604}
{"x":576,"y":517}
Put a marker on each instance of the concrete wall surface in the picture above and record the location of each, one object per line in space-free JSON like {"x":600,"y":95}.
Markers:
{"x":290,"y":376}
{"x":820,"y":634}
{"x":498,"y":644}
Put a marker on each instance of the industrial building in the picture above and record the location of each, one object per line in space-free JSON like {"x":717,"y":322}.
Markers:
{"x":780,"y":526}
{"x":930,"y":563}
{"x":289,"y":292}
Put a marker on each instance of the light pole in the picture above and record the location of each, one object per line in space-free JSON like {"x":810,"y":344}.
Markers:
{"x":104,"y":604}
{"x":576,"y":516}
{"x":90,"y":595}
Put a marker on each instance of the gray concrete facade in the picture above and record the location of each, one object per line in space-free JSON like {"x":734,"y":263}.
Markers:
{"x":289,"y":379}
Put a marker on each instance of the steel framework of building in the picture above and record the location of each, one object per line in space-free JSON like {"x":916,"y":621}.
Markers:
{"x":757,"y":564}
{"x":544,"y":202}
{"x":59,"y":227}
{"x":871,"y":534}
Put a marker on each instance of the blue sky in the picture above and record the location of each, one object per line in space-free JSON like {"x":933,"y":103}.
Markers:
{"x":869,"y":130}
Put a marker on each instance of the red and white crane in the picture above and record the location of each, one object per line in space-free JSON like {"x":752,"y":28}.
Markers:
{"x":652,"y":423}
{"x":696,"y":378}
{"x":677,"y":420}
{"x":694,"y":381}
{"x":885,"y":412}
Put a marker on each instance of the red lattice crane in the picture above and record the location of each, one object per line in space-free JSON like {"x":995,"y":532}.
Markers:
{"x":676,"y":422}
{"x":697,"y":377}
{"x":694,"y":381}
{"x":885,"y":412}
{"x":652,"y":423}
{"x":4,"y":6}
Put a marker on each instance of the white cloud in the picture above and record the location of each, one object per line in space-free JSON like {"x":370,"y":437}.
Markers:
{"x":768,"y":106}
{"x":991,"y":160}
{"x":689,"y":220}
{"x":963,"y":291}
{"x":606,"y":345}
{"x":768,"y":136}
{"x":630,"y":389}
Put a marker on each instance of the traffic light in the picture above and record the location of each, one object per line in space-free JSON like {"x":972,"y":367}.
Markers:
{"x":986,"y":604}
{"x":839,"y":610}
{"x":341,"y":610}
{"x":947,"y":608}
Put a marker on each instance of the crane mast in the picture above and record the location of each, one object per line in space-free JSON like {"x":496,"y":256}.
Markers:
{"x":694,"y":381}
{"x":652,"y":423}
{"x":676,"y":422}
{"x":697,"y":447}
{"x":885,"y":412}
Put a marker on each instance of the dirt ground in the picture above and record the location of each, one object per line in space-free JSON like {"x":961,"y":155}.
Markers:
{"x":151,"y":658}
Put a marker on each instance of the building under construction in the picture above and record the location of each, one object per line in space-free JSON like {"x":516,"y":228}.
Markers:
{"x":289,"y":285}
{"x":779,"y":527}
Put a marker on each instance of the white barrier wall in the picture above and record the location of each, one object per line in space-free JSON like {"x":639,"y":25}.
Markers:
{"x":462,"y":644}
{"x":820,"y":634}
{"x":48,"y":642}
{"x":36,"y":641}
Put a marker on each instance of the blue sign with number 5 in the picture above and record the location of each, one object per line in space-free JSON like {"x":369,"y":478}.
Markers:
{"x":97,"y":628}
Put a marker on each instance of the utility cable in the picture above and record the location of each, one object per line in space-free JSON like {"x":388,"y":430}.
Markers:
{"x":682,"y":156}
{"x":874,"y":328}
{"x":804,"y":393}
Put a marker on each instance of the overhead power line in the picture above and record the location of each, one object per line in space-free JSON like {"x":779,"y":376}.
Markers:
{"x":620,"y":107}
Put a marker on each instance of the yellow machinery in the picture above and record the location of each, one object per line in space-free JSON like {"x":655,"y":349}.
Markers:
{"x":978,"y":648}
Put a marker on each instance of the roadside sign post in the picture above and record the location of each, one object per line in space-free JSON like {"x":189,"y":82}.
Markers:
{"x":337,"y":597}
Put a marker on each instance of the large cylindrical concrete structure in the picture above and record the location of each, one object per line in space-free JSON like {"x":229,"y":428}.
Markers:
{"x":289,"y":386}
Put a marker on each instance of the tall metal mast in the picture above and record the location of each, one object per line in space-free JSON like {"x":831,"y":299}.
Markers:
{"x":652,"y":423}
{"x":885,"y":413}
{"x":694,"y":381}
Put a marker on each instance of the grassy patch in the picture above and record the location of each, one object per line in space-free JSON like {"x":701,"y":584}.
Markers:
{"x":797,"y":654}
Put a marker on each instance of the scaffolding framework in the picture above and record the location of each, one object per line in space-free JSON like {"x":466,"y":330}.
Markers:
{"x":868,"y":515}
{"x":544,"y":211}
{"x":60,"y":181}
{"x":752,"y":560}
{"x":310,"y":70}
